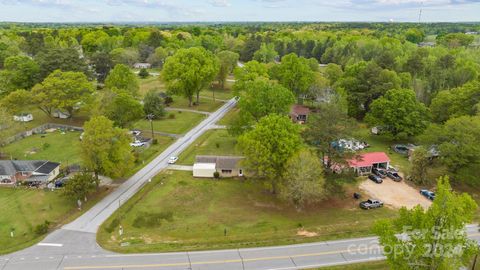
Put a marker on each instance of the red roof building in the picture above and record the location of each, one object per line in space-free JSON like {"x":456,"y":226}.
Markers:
{"x":364,"y":163}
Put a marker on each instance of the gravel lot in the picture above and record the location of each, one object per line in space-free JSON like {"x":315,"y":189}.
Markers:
{"x":394,"y":194}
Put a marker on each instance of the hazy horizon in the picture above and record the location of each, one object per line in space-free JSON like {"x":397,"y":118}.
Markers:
{"x":237,"y":11}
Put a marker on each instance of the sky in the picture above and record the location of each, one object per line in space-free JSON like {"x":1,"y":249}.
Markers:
{"x":238,"y":10}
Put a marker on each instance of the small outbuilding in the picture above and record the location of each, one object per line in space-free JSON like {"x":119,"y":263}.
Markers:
{"x":226,"y":166}
{"x":299,"y":114}
{"x":142,"y":65}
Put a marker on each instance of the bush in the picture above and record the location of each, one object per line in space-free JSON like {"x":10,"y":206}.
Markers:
{"x":45,"y":146}
{"x":149,"y":220}
{"x":171,"y":116}
{"x":115,"y":223}
{"x":143,"y":73}
{"x":168,"y":100}
{"x":155,"y":141}
{"x":42,"y":228}
{"x":216,"y":175}
{"x":217,"y":145}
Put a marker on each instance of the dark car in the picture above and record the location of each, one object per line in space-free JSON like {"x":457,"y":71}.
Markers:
{"x":375,"y":178}
{"x":370,"y":204}
{"x":428,"y":194}
{"x":61,"y":182}
{"x":379,"y":172}
{"x":394,"y":176}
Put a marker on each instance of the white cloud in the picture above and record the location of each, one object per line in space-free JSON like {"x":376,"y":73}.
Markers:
{"x":220,"y":3}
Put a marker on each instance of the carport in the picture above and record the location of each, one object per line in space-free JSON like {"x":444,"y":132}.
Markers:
{"x":364,"y":163}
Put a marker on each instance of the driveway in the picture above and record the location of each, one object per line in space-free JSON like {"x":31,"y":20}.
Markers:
{"x":395,"y":194}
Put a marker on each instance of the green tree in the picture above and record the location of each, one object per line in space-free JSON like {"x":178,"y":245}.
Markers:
{"x":228,"y":61}
{"x":158,"y":57}
{"x":122,"y":78}
{"x":455,"y":40}
{"x":456,"y":102}
{"x":399,"y":113}
{"x":189,"y":71}
{"x":415,"y":35}
{"x":65,"y":59}
{"x":62,"y":90}
{"x":153,"y":104}
{"x":106,"y":149}
{"x":261,"y":98}
{"x":304,"y":182}
{"x":266,"y":53}
{"x":17,"y":101}
{"x":143,"y":73}
{"x":295,"y":74}
{"x":20,"y":72}
{"x":125,"y":56}
{"x":333,"y":72}
{"x":326,"y":127}
{"x":435,"y":238}
{"x":79,"y":186}
{"x":249,"y":72}
{"x":6,"y":124}
{"x":102,"y":64}
{"x":420,"y":162}
{"x":124,"y":109}
{"x":268,"y":146}
{"x":458,"y":142}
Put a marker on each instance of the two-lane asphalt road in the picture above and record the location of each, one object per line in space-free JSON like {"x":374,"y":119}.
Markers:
{"x":304,"y":256}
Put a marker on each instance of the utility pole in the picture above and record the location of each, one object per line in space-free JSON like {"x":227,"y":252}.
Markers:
{"x":150,"y":117}
{"x":420,"y":14}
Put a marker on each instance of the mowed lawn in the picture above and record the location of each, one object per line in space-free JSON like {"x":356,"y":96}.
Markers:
{"x":179,"y":124}
{"x":23,"y":209}
{"x":54,"y":146}
{"x":212,"y":142}
{"x":207,"y":104}
{"x":177,"y":212}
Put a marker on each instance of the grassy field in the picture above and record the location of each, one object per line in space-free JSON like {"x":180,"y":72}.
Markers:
{"x":178,"y":212}
{"x":54,"y":146}
{"x":151,"y":83}
{"x":181,"y":123}
{"x":213,"y":142}
{"x":23,"y":209}
{"x":229,"y":117}
{"x":381,"y":265}
{"x":206,"y":104}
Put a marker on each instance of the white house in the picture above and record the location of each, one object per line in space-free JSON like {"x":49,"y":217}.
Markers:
{"x":142,"y":65}
{"x":23,"y":117}
{"x":226,"y":166}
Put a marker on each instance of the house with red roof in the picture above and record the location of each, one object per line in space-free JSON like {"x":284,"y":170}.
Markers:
{"x":364,"y":163}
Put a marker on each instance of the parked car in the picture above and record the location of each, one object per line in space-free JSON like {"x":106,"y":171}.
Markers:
{"x":135,"y":132}
{"x":394,"y":176}
{"x":370,"y":204}
{"x":61,"y":182}
{"x":428,"y":194}
{"x":172,"y":160}
{"x":137,"y":143}
{"x":375,"y":178}
{"x":379,"y":172}
{"x":403,"y":149}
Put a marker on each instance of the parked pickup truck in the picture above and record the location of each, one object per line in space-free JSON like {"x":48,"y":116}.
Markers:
{"x":370,"y":204}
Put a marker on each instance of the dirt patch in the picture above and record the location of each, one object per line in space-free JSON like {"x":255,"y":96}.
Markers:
{"x":306,"y":233}
{"x":395,"y":194}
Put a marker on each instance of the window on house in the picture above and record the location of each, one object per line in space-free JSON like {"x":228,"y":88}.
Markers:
{"x":227,"y":171}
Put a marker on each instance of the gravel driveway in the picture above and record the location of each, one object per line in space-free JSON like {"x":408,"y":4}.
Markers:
{"x":395,"y":194}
